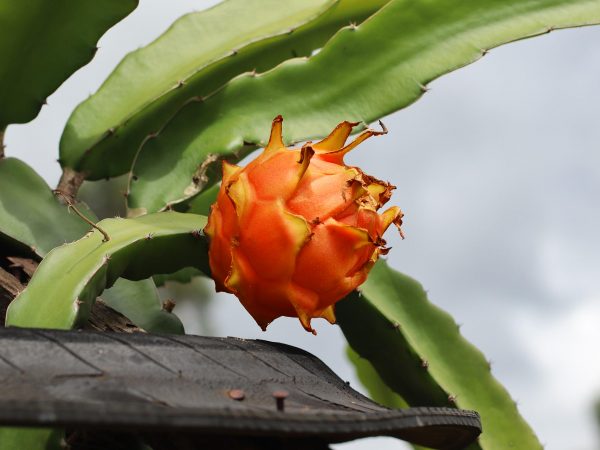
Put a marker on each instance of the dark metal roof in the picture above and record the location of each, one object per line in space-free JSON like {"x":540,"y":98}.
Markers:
{"x":216,"y":386}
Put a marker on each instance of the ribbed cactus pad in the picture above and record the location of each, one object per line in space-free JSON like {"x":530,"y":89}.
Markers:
{"x":42,"y":43}
{"x":363,"y":73}
{"x":66,"y":283}
{"x":30,"y":214}
{"x":139,"y":302}
{"x":418,"y":351}
{"x":201,"y":52}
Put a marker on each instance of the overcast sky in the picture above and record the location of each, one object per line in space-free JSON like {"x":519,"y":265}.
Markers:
{"x":498,"y":173}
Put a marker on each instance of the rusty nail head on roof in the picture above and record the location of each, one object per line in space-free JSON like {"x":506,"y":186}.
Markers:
{"x":280,"y":397}
{"x":237,"y":394}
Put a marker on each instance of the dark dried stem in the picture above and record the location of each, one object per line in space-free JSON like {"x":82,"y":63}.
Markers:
{"x":104,"y":318}
{"x":10,"y":286}
{"x":384,"y":129}
{"x":169,"y":305}
{"x":70,"y":182}
{"x":69,"y":201}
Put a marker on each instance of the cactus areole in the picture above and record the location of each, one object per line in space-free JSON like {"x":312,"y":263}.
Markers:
{"x":296,"y":229}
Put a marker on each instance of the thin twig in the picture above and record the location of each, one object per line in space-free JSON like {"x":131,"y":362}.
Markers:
{"x":72,"y":206}
{"x":384,"y":129}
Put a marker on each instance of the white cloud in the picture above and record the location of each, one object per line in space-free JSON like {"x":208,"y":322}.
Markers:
{"x":564,"y":347}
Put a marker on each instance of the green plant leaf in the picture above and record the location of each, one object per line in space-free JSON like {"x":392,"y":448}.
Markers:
{"x":393,"y":320}
{"x":140,"y":303}
{"x":31,"y":216}
{"x":42,"y":43}
{"x":378,"y":390}
{"x":361,"y":74}
{"x":68,"y":280}
{"x":14,"y":438}
{"x":181,"y":276}
{"x":597,"y":414}
{"x":105,"y":197}
{"x":370,"y":379}
{"x":201,"y":203}
{"x":415,"y":385}
{"x":30,"y":213}
{"x":196,"y":56}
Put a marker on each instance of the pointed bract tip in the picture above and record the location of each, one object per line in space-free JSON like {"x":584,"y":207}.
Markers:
{"x":262,"y":322}
{"x":329,"y":314}
{"x":276,"y":137}
{"x":306,"y":153}
{"x":305,"y":319}
{"x":338,"y":154}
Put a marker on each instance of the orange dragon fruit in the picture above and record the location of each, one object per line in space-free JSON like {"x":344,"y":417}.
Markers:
{"x":296,"y":230}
